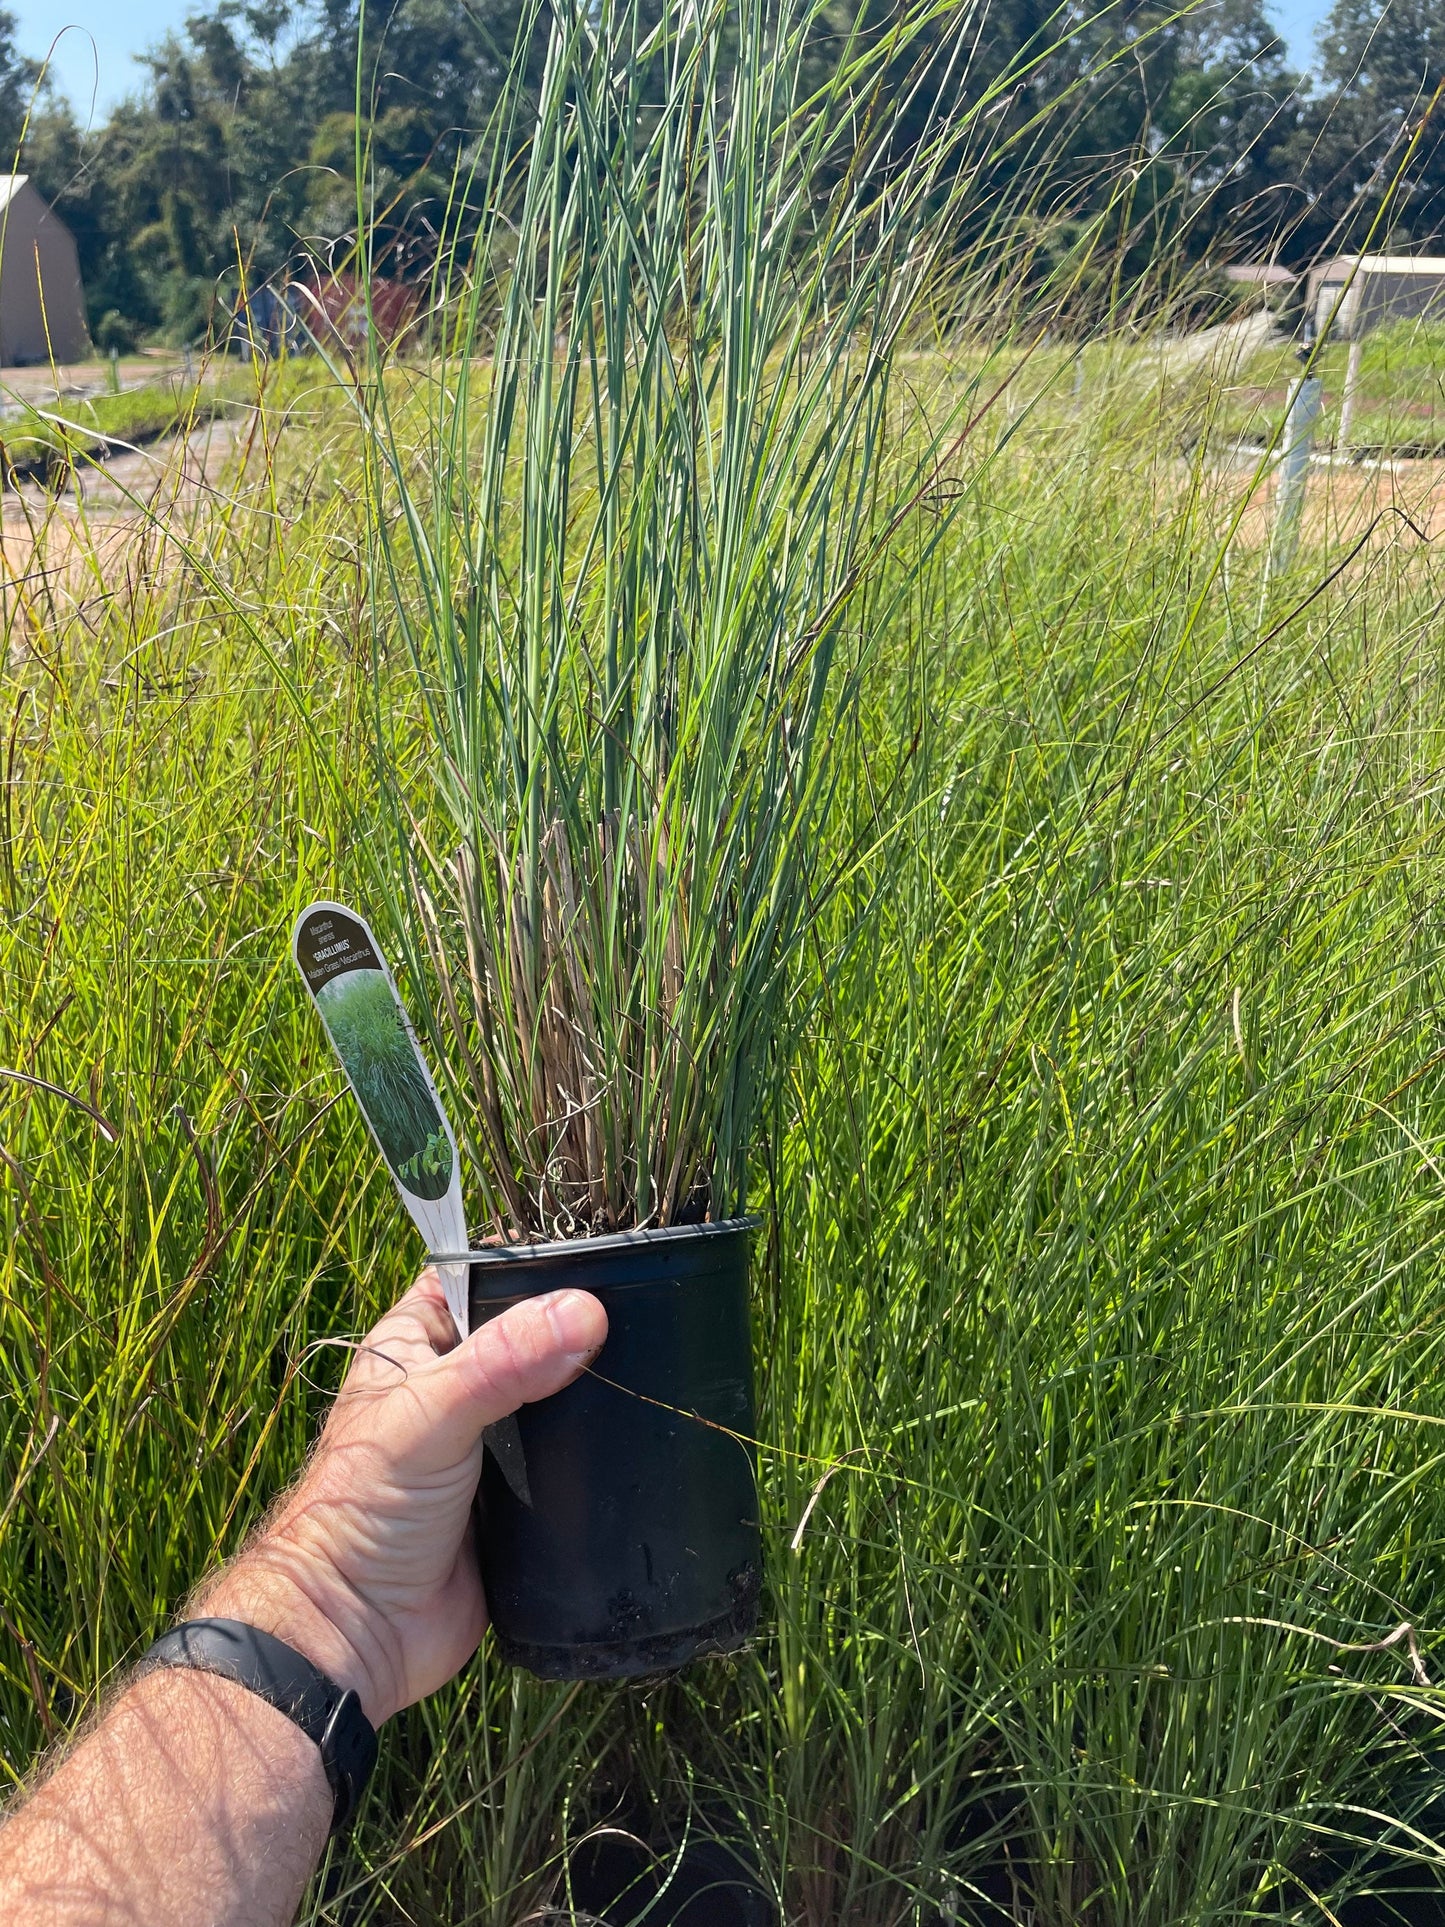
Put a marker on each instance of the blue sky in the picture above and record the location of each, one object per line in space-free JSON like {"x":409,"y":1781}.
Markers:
{"x":98,"y":61}
{"x":1297,"y":20}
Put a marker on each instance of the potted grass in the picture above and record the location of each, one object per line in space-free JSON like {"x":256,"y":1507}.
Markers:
{"x":627,"y":523}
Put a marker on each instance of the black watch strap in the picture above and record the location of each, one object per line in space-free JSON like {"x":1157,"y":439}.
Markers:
{"x":327,"y":1713}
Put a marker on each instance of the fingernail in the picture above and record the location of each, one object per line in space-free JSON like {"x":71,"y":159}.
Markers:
{"x":578,"y":1323}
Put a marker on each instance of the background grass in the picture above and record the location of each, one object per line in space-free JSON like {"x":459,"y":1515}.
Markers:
{"x":1097,"y":1309}
{"x":1399,"y":398}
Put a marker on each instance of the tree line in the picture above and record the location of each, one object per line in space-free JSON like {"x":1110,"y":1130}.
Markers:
{"x":1156,"y":132}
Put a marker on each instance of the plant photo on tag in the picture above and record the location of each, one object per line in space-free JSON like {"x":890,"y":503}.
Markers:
{"x":368,"y":1030}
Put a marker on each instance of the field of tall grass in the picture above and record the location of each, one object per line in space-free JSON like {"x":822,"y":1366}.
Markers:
{"x":1099,"y":1326}
{"x":1399,"y":405}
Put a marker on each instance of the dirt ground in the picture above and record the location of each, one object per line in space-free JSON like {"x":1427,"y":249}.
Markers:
{"x":44,"y":384}
{"x":66,"y":550}
{"x":1346,"y":502}
{"x":1355,"y":496}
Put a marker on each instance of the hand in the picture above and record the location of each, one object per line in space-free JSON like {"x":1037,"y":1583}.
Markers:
{"x":367,"y":1566}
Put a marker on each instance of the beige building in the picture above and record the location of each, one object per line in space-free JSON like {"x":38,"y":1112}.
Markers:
{"x":1362,"y":290}
{"x":42,"y":304}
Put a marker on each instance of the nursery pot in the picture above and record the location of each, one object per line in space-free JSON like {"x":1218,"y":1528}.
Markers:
{"x":619,"y":1520}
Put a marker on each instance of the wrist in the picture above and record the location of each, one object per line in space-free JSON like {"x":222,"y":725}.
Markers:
{"x":276,"y":1589}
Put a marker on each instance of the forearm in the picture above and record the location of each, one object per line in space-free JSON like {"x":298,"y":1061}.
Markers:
{"x":195,"y":1803}
{"x":192,"y":1804}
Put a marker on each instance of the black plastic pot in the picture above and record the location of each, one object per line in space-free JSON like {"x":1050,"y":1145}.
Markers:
{"x":620,"y":1518}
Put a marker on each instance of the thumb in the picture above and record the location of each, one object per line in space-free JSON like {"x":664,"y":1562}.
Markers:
{"x":528,"y":1352}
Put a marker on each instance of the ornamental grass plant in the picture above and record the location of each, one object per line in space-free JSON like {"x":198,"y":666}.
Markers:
{"x":634,"y":569}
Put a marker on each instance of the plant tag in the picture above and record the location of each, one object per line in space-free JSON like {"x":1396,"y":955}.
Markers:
{"x":365,"y":1019}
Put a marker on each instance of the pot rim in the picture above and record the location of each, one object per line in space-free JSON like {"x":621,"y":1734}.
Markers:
{"x":501,"y":1255}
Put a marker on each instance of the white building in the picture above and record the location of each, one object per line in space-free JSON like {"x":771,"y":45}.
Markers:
{"x":1362,"y":290}
{"x":42,"y":304}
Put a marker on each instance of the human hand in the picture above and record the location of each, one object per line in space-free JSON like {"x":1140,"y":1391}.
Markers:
{"x":367,"y":1566}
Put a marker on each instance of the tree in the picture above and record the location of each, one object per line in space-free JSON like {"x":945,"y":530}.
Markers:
{"x":20,"y":86}
{"x":241,"y":156}
{"x":1381,"y":62}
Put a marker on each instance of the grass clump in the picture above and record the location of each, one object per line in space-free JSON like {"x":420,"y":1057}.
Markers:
{"x":636,"y":580}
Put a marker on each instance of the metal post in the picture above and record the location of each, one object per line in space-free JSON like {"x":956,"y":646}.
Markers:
{"x":1301,"y":418}
{"x":1347,"y":400}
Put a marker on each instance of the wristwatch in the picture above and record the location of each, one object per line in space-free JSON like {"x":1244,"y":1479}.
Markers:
{"x":327,"y":1713}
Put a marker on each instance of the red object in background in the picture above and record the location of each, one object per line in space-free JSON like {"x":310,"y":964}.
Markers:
{"x":339,"y":302}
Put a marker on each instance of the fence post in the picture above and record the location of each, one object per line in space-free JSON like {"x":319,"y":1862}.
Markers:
{"x":1347,"y":400}
{"x":1302,"y":415}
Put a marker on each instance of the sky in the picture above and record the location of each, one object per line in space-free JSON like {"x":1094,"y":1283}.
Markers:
{"x":1297,"y":21}
{"x":97,"y":62}
{"x":96,"y":65}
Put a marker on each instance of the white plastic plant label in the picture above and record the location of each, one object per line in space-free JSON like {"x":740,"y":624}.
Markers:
{"x":372,"y":1036}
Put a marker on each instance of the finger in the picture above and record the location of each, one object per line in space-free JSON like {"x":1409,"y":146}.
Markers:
{"x":418,"y":1324}
{"x":531,"y":1351}
{"x":427,"y":1301}
{"x":416,"y":1329}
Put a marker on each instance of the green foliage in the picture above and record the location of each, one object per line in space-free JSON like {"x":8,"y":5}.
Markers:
{"x":241,"y":151}
{"x":1099,"y":1342}
{"x":1097,"y":1315}
{"x":46,"y":444}
{"x":114,"y":333}
{"x":1097,"y":1312}
{"x":1354,"y":158}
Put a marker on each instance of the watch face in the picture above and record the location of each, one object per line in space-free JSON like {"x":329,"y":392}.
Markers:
{"x":364,"y":1019}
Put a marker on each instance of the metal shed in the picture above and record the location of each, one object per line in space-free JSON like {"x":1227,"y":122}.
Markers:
{"x":1362,"y":290}
{"x":42,"y":303}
